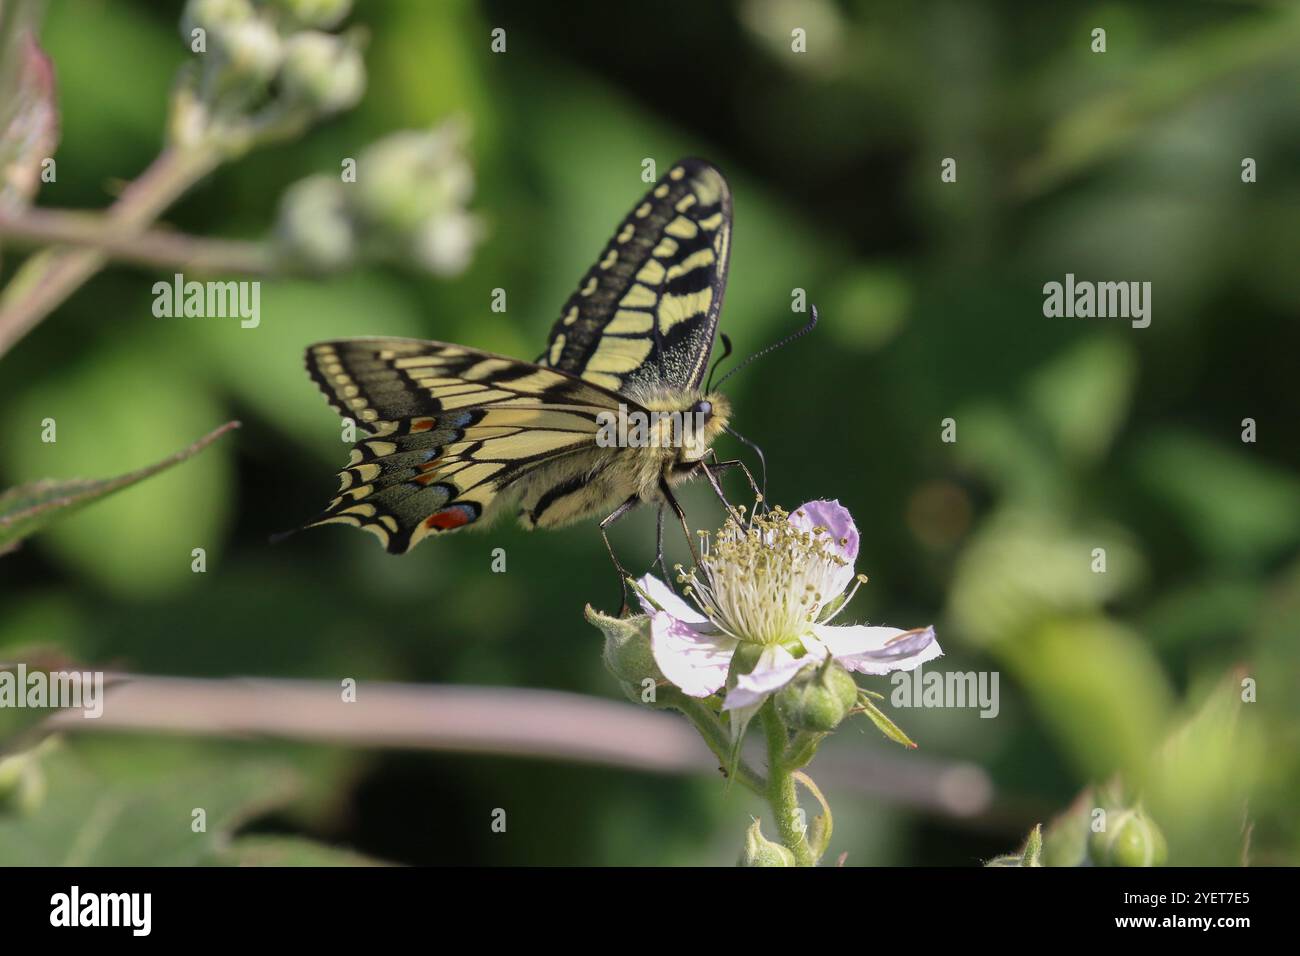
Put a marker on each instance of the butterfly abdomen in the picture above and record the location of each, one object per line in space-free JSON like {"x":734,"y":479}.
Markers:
{"x":562,"y":494}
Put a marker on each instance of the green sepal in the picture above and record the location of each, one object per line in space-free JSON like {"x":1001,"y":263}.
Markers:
{"x":884,"y":724}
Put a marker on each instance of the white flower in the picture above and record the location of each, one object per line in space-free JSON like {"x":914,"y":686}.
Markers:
{"x":774,"y":583}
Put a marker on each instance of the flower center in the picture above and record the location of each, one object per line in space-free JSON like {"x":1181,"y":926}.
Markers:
{"x":764,"y":581}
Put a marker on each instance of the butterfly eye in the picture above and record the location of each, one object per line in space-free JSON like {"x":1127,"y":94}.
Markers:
{"x":703,"y":407}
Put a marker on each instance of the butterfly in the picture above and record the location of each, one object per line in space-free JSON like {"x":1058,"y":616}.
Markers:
{"x":457,"y":436}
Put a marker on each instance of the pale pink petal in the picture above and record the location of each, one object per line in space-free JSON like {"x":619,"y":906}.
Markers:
{"x":667,"y":600}
{"x":692,"y":658}
{"x":878,"y":650}
{"x":839,"y":528}
{"x":816,"y":650}
{"x":837,"y":521}
{"x":775,"y":668}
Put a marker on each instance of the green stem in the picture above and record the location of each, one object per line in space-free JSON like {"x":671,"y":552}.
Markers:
{"x":719,"y":740}
{"x":47,"y":278}
{"x":781,"y":792}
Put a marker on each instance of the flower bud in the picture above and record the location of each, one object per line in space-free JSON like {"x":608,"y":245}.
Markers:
{"x":318,"y":14}
{"x":760,"y":851}
{"x":251,"y":51}
{"x":314,"y":228}
{"x":628,"y":653}
{"x":408,"y":177}
{"x":1131,"y":838}
{"x":212,"y":16}
{"x":323,"y":71}
{"x":629,"y":656}
{"x":411,"y":191}
{"x":818,"y":698}
{"x":445,"y":244}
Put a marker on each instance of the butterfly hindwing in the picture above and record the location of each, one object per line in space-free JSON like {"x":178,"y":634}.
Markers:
{"x":450,"y":429}
{"x":644,"y":316}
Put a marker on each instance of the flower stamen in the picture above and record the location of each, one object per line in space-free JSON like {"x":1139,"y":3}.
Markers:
{"x":764,"y":581}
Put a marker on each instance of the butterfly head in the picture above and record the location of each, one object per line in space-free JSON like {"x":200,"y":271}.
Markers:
{"x":684,"y":423}
{"x":708,"y":415}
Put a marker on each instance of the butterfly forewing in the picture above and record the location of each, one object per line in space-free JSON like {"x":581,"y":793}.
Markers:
{"x":644,"y":316}
{"x":450,"y":429}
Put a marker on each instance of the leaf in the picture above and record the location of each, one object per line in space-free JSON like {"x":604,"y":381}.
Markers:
{"x":29,"y":115}
{"x":1167,"y":79}
{"x":1199,"y":782}
{"x":823,"y":825}
{"x":1205,"y":778}
{"x":883,"y":723}
{"x":1029,"y":855}
{"x":26,"y":509}
{"x":1025,"y":566}
{"x":1236,"y":507}
{"x":89,"y":819}
{"x":1097,"y":686}
{"x":1084,"y":395}
{"x":1065,"y":841}
{"x":1033,"y":848}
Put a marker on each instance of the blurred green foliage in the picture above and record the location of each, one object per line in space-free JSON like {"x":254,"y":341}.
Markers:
{"x":1072,"y":434}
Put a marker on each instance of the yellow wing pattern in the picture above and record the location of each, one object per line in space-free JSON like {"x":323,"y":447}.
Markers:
{"x":450,"y":429}
{"x":646,"y":312}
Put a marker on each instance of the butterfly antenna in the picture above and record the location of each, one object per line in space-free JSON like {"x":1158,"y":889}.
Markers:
{"x":762,"y":459}
{"x":726,"y":352}
{"x":808,"y":327}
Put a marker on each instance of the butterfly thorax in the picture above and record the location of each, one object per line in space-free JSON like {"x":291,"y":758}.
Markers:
{"x":683,"y":424}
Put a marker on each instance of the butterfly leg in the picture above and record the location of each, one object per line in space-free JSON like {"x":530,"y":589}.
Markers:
{"x":720,"y":466}
{"x":760,"y":494}
{"x":717,"y":490}
{"x":659,"y":546}
{"x":605,"y":523}
{"x":667,"y":492}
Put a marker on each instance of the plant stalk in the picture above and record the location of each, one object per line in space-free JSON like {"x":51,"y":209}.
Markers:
{"x":781,"y":792}
{"x":156,"y":247}
{"x":48,"y":277}
{"x":719,"y":740}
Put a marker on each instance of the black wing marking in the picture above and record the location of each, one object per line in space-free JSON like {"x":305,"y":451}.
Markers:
{"x":646,"y":313}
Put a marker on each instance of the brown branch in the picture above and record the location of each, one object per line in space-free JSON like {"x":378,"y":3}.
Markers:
{"x":47,"y":278}
{"x":493,"y":720}
{"x":159,"y":248}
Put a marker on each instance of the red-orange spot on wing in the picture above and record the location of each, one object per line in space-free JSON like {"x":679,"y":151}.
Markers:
{"x":423,"y":425}
{"x":447,"y":519}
